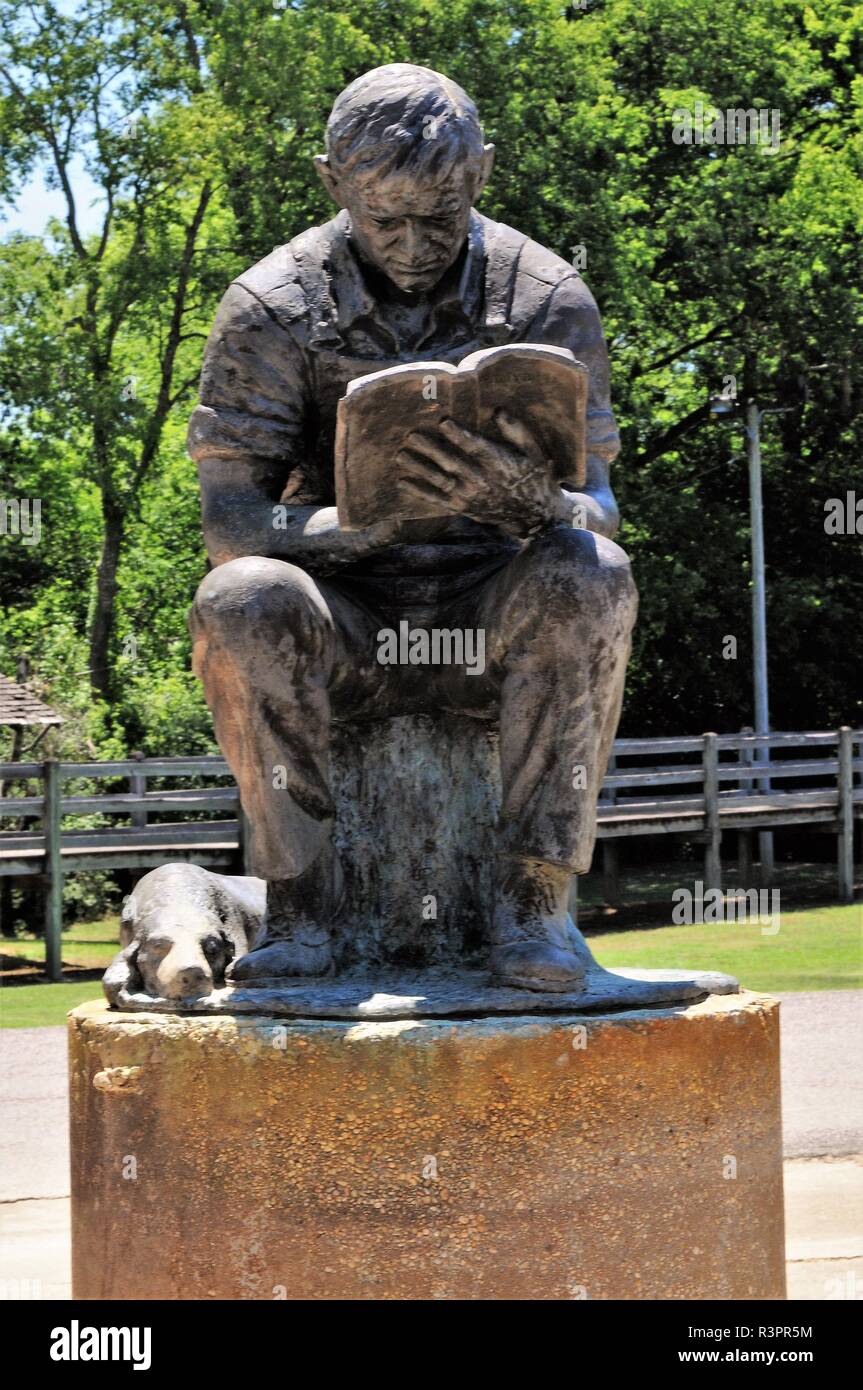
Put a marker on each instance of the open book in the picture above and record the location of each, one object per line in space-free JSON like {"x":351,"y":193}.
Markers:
{"x":544,"y":387}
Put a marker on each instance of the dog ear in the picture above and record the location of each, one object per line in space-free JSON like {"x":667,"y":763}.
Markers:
{"x":229,"y":945}
{"x":122,"y":974}
{"x":128,"y":920}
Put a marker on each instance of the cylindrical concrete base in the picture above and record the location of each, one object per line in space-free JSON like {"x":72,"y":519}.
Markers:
{"x":631,"y":1156}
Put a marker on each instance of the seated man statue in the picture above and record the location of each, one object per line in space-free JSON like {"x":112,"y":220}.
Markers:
{"x":286,"y":623}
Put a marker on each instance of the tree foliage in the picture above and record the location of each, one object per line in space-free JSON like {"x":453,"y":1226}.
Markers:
{"x":198,"y":120}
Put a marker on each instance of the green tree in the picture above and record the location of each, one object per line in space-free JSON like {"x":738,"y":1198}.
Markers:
{"x":116,"y":341}
{"x":709,"y":262}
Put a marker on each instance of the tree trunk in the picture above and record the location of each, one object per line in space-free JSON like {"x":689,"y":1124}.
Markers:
{"x":102,"y":626}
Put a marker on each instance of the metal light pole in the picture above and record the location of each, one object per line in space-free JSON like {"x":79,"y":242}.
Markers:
{"x":720,"y":406}
{"x":759,"y":616}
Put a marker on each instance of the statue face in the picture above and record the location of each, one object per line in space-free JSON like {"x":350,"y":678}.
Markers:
{"x":411,"y":231}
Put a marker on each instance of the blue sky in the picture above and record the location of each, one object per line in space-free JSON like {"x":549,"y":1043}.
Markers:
{"x":36,"y":204}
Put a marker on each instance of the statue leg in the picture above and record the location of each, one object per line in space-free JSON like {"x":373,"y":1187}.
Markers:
{"x":270,"y":645}
{"x":558,"y":623}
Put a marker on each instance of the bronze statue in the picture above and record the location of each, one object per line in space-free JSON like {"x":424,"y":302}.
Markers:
{"x":286,"y":623}
{"x":289,"y":623}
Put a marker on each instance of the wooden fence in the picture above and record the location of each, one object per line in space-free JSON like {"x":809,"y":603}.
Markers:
{"x":693,"y":786}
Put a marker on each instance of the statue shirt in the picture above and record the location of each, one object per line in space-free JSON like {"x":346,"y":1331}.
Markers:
{"x":296,"y":328}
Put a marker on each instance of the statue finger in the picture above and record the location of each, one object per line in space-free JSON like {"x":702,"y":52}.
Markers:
{"x":418,"y":465}
{"x":425,"y":489}
{"x":515,"y":431}
{"x":477,"y":448}
{"x":443,"y":455}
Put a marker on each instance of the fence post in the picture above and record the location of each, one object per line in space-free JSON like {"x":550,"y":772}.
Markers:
{"x":845,"y":843}
{"x":766,"y":855}
{"x":138,"y":787}
{"x":744,"y":837}
{"x":53,"y":870}
{"x":712,"y":855}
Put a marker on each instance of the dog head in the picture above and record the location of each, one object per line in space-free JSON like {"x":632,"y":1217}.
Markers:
{"x":180,"y":952}
{"x":184,"y":956}
{"x":180,"y":929}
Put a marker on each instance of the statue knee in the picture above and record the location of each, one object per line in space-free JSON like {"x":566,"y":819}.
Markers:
{"x":578,"y":571}
{"x":254,"y":600}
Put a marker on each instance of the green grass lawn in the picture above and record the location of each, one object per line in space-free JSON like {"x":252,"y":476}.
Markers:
{"x":815,"y":948}
{"x":89,"y":945}
{"x":86,"y":946}
{"x":43,"y":1006}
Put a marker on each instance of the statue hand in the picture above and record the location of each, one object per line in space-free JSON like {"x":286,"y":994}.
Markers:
{"x":592,"y":511}
{"x":502,"y":484}
{"x":325,"y":521}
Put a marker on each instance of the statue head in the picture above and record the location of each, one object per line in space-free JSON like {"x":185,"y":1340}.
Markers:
{"x":405,"y":157}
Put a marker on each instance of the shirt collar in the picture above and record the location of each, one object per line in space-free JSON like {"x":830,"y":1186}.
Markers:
{"x":347,"y":298}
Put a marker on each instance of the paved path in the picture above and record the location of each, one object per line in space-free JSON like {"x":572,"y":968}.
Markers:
{"x":34,"y":1141}
{"x":824,"y":1228}
{"x":822,"y":1072}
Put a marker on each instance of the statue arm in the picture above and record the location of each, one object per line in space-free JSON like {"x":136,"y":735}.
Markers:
{"x":570,"y":319}
{"x":248,"y":438}
{"x":240,"y":518}
{"x":594,"y":507}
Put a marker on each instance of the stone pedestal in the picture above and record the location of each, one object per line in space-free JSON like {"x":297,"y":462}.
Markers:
{"x":633,"y":1155}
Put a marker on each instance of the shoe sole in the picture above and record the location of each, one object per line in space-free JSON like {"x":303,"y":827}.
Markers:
{"x":570,"y":986}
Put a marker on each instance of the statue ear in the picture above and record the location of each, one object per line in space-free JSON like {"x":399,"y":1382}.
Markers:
{"x":485,"y":171}
{"x":128,"y":920}
{"x":229,"y":945}
{"x":328,"y":179}
{"x":122,"y":974}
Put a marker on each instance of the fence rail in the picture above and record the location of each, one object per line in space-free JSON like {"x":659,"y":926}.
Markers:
{"x":734,"y":783}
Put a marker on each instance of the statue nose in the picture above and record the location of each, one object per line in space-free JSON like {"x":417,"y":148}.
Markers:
{"x":415,"y":241}
{"x":192,"y":976}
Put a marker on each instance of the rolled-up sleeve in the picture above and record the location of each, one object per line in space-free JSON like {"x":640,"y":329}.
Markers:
{"x":569,"y":318}
{"x":253,"y":395}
